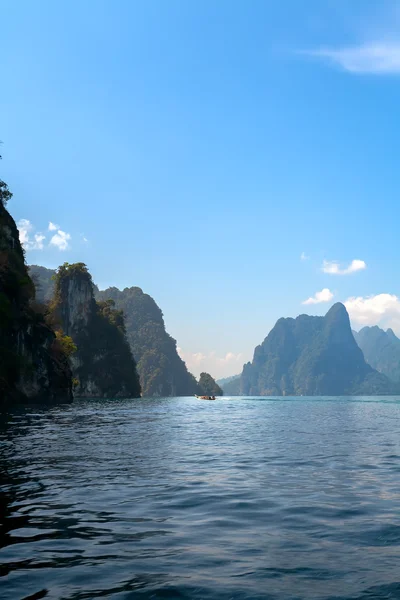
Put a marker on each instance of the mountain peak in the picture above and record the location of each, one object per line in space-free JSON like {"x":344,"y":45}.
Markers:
{"x":311,"y":356}
{"x":391,"y":334}
{"x":337,"y":321}
{"x":337,"y":311}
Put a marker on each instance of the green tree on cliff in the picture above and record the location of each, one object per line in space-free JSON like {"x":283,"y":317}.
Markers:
{"x":33,"y":367}
{"x":5,"y":194}
{"x":103,"y":363}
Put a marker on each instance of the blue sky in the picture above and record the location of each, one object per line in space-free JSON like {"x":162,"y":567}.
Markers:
{"x":198,"y":149}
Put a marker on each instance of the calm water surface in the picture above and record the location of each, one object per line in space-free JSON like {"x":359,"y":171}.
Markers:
{"x":178,"y":498}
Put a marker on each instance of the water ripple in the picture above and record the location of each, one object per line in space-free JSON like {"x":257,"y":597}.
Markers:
{"x":173,"y":498}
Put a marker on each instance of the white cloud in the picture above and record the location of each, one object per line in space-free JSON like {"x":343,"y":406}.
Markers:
{"x":60,"y":240}
{"x":53,"y":226}
{"x":381,"y":309}
{"x":25,"y":229}
{"x":35,"y":241}
{"x":377,"y":58}
{"x":324,"y":295}
{"x":303,"y":256}
{"x":217,"y":366}
{"x":333,"y":267}
{"x":38,"y":243}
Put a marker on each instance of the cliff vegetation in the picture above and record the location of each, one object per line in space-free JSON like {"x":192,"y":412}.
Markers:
{"x":162,"y":372}
{"x":34,"y":365}
{"x":102,"y":365}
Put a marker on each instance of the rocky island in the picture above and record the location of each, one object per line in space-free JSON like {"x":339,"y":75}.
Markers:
{"x":311,"y":356}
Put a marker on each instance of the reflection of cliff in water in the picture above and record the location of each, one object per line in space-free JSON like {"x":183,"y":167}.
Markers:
{"x":20,"y":520}
{"x":47,"y":525}
{"x":16,"y":487}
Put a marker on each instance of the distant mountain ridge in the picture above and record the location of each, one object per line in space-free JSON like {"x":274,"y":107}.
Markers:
{"x":381,"y":350}
{"x":224,"y":380}
{"x":43,"y":279}
{"x":230,"y":385}
{"x":161,"y":370}
{"x":312,"y":356}
{"x":303,"y":356}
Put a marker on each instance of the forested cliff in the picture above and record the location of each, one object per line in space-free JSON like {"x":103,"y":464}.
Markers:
{"x":33,"y":361}
{"x":103,"y":365}
{"x":161,"y":370}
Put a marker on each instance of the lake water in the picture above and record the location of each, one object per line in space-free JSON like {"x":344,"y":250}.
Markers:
{"x":179,"y":498}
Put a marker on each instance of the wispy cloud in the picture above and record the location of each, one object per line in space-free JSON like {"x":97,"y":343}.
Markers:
{"x":26,"y":230}
{"x":334,"y":268}
{"x":324,"y":295}
{"x":376,"y":58}
{"x":36,"y":241}
{"x":381,"y":309}
{"x":60,"y":240}
{"x":303,"y":256}
{"x":39,"y":239}
{"x":217,"y":366}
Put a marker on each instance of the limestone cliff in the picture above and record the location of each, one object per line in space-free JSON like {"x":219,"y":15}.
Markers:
{"x":312,"y":356}
{"x":33,"y":365}
{"x":103,"y":364}
{"x":162,"y":371}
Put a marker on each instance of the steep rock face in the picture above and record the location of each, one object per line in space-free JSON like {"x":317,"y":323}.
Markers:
{"x":77,"y":304}
{"x":162,"y":372}
{"x":381,"y":350}
{"x":311,"y":356}
{"x":33,"y":366}
{"x":44,"y":282}
{"x":103,"y":364}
